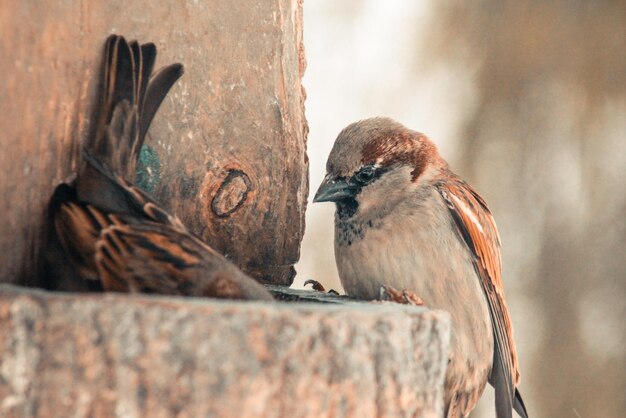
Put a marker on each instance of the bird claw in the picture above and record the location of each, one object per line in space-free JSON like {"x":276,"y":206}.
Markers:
{"x":405,"y":297}
{"x":319,"y":287}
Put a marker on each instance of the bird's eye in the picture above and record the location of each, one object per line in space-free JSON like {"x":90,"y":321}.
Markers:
{"x":365,"y":175}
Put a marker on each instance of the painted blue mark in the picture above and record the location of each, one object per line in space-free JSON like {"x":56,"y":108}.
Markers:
{"x":148,"y":169}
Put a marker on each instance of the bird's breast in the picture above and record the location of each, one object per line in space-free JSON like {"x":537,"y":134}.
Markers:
{"x":417,"y":248}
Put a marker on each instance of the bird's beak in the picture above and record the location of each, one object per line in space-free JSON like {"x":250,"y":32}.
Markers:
{"x":334,"y":190}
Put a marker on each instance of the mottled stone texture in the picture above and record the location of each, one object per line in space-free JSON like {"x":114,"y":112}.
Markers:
{"x":64,"y":355}
{"x":226,"y":152}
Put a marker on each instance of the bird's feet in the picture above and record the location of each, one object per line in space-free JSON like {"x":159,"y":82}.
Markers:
{"x":319,"y":287}
{"x":405,"y":297}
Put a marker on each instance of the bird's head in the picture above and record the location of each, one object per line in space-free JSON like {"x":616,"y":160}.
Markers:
{"x":374,"y":164}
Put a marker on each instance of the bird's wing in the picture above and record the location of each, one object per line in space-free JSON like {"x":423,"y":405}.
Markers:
{"x":477,"y":228}
{"x":78,"y":225}
{"x":147,"y":207}
{"x":155,"y":258}
{"x":150,"y":258}
{"x":127,"y":253}
{"x":152,"y":253}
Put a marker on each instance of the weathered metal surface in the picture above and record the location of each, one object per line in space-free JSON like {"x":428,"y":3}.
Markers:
{"x":285,"y":294}
{"x":226,"y":151}
{"x":114,"y":355}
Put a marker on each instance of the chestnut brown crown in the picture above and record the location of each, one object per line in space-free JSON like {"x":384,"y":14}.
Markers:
{"x":366,"y":150}
{"x":383,"y":142}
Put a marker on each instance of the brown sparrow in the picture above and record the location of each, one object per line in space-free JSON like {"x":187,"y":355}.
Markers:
{"x":106,"y":230}
{"x":405,"y":220}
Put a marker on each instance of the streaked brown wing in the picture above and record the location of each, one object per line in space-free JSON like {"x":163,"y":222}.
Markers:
{"x":124,"y":197}
{"x":149,"y":258}
{"x":154,"y":258}
{"x":146,"y":205}
{"x":478,"y":229}
{"x":78,"y":227}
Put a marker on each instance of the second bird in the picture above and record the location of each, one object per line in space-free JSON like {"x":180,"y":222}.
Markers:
{"x":405,"y":220}
{"x":108,"y":233}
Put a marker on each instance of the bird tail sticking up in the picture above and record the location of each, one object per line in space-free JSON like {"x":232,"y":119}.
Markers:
{"x":129,"y":98}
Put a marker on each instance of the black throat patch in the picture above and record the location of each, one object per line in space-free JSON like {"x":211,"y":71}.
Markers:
{"x":347,"y":208}
{"x":347,"y":231}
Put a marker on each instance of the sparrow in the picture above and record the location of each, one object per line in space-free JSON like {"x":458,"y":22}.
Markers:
{"x":108,"y":233}
{"x":403,"y":219}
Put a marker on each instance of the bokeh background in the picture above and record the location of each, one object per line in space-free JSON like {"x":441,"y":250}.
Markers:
{"x":526,"y":100}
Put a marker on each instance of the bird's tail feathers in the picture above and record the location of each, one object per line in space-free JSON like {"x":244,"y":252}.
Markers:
{"x":518,"y":405}
{"x":160,"y":84}
{"x":129,"y":99}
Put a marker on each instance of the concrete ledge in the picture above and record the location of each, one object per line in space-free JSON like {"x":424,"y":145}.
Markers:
{"x":92,"y":355}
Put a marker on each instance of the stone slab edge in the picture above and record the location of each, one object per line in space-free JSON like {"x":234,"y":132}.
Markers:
{"x":94,"y":355}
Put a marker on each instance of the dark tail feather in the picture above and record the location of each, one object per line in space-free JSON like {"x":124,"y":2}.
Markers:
{"x":502,"y":383}
{"x":148,"y":57}
{"x":519,"y":406}
{"x":118,"y":86}
{"x":123,"y":75}
{"x":159,"y":86}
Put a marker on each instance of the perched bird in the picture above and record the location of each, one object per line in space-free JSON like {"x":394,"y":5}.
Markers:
{"x":108,"y":233}
{"x":405,"y":220}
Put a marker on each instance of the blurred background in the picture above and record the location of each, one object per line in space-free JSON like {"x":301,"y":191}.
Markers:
{"x":526,"y":100}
